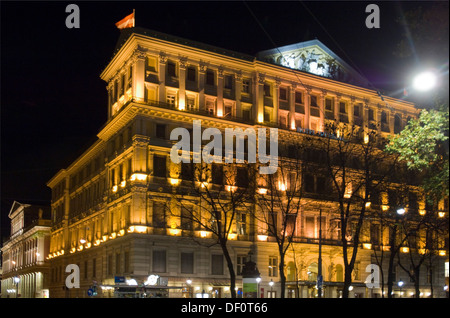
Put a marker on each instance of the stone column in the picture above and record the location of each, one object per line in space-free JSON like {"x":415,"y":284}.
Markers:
{"x":162,"y":77}
{"x":379,"y":120}
{"x":139,"y":76}
{"x":291,"y":122}
{"x":260,"y":98}
{"x":351,"y":107}
{"x":220,"y":92}
{"x":366,"y":118}
{"x":238,"y":90}
{"x":201,"y":86}
{"x":336,"y":107}
{"x":276,"y":101}
{"x":307,"y":107}
{"x":182,"y":84}
{"x":391,"y":122}
{"x":322,"y":110}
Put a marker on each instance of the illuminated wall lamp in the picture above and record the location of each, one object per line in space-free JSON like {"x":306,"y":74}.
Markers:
{"x":368,"y":204}
{"x":232,"y":236}
{"x":230,"y":188}
{"x":174,"y":232}
{"x":367,"y":246}
{"x":140,"y":229}
{"x":262,"y":191}
{"x":114,"y":188}
{"x":123,"y":183}
{"x":174,"y":181}
{"x":113,"y":235}
{"x":203,"y":234}
{"x":121,"y":232}
{"x":385,"y":207}
{"x":422,"y":212}
{"x":138,"y":177}
{"x":441,"y":214}
{"x":130,"y":229}
{"x":88,"y":245}
{"x":405,"y":249}
{"x":262,"y":238}
{"x":442,"y":252}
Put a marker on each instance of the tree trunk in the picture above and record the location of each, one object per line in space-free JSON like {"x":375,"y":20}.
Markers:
{"x":347,"y":281}
{"x":416,"y":281}
{"x":230,"y":269}
{"x":282,"y":277}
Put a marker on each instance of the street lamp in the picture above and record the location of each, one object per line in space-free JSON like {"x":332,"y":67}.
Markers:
{"x":258,"y":280}
{"x":400,"y":211}
{"x":400,"y":284}
{"x":424,"y":81}
{"x":271,"y":285}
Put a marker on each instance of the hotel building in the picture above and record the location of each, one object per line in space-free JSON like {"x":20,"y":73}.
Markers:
{"x":109,"y":207}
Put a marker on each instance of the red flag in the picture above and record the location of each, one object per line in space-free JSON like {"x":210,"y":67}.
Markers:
{"x":127,"y":22}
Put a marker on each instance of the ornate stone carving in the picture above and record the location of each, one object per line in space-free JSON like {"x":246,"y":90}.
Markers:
{"x":183,"y":61}
{"x":202,"y":67}
{"x":238,"y":76}
{"x":261,"y":78}
{"x":162,"y":58}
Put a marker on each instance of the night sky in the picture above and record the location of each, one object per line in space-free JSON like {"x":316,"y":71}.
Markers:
{"x":53,"y":101}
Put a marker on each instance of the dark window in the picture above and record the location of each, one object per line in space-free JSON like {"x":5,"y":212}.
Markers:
{"x":159,"y":166}
{"x":159,"y":214}
{"x":246,"y":115}
{"x":383,"y":117}
{"x":94,"y":267}
{"x":187,"y":263}
{"x":228,"y":82}
{"x":357,"y":110}
{"x":191,"y":74}
{"x":371,"y":114}
{"x":161,"y":131}
{"x":314,"y":101}
{"x":210,"y":77}
{"x":217,"y":264}
{"x":217,"y":173}
{"x":328,"y":104}
{"x":267,"y":90}
{"x":283,"y":93}
{"x":187,"y":171}
{"x":186,"y":217}
{"x":171,"y":69}
{"x":298,"y":98}
{"x":342,"y":107}
{"x":159,"y":261}
{"x":242,"y":177}
{"x":246,"y":86}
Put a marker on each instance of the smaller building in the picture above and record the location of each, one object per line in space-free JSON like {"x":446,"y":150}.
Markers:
{"x":23,"y":255}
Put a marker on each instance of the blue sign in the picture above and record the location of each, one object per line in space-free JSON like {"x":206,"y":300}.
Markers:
{"x":119,"y":279}
{"x":90,"y":292}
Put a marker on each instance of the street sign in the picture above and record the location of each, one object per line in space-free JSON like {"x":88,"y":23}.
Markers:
{"x":90,"y":292}
{"x":119,"y":279}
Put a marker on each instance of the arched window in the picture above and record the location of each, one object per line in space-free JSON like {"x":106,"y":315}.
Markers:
{"x":339,"y":273}
{"x":291,"y":271}
{"x":397,"y":124}
{"x":312,"y":272}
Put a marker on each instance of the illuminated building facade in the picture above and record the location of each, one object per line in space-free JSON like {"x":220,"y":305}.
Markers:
{"x":25,"y":268}
{"x":109,"y":207}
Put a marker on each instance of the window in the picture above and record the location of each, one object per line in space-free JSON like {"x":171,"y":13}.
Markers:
{"x":187,"y":262}
{"x":240,"y":262}
{"x":383,"y":117}
{"x":283,"y":93}
{"x":273,"y":266}
{"x":342,"y":109}
{"x":159,"y":166}
{"x":217,"y":264}
{"x":190,"y":102}
{"x":191,"y":74}
{"x":171,"y":69}
{"x":375,"y":233}
{"x":161,"y":131}
{"x":309,"y":227}
{"x":187,"y":171}
{"x":314,"y":101}
{"x":357,"y":110}
{"x":315,"y":184}
{"x":126,"y":256}
{"x":328,"y":104}
{"x":312,"y":272}
{"x":246,"y":115}
{"x":210,"y":76}
{"x":241,"y":223}
{"x":117,"y":263}
{"x":228,"y":82}
{"x":298,"y":98}
{"x":159,"y":261}
{"x":242,"y":177}
{"x":186,"y":217}
{"x":171,"y":99}
{"x":217,"y":173}
{"x":94,"y":267}
{"x":110,"y":264}
{"x":266,"y":116}
{"x":267,"y":90}
{"x":159,"y":214}
{"x":246,"y":86}
{"x":339,"y":273}
{"x":228,"y":111}
{"x":371,"y":114}
{"x":211,"y":107}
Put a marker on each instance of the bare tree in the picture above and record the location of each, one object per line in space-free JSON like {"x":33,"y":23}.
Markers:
{"x":215,"y":198}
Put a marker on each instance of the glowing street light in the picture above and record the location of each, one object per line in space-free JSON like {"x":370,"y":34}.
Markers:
{"x":401,"y":211}
{"x":424,"y":81}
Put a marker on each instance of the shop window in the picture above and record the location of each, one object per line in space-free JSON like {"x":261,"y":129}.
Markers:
{"x":159,"y":261}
